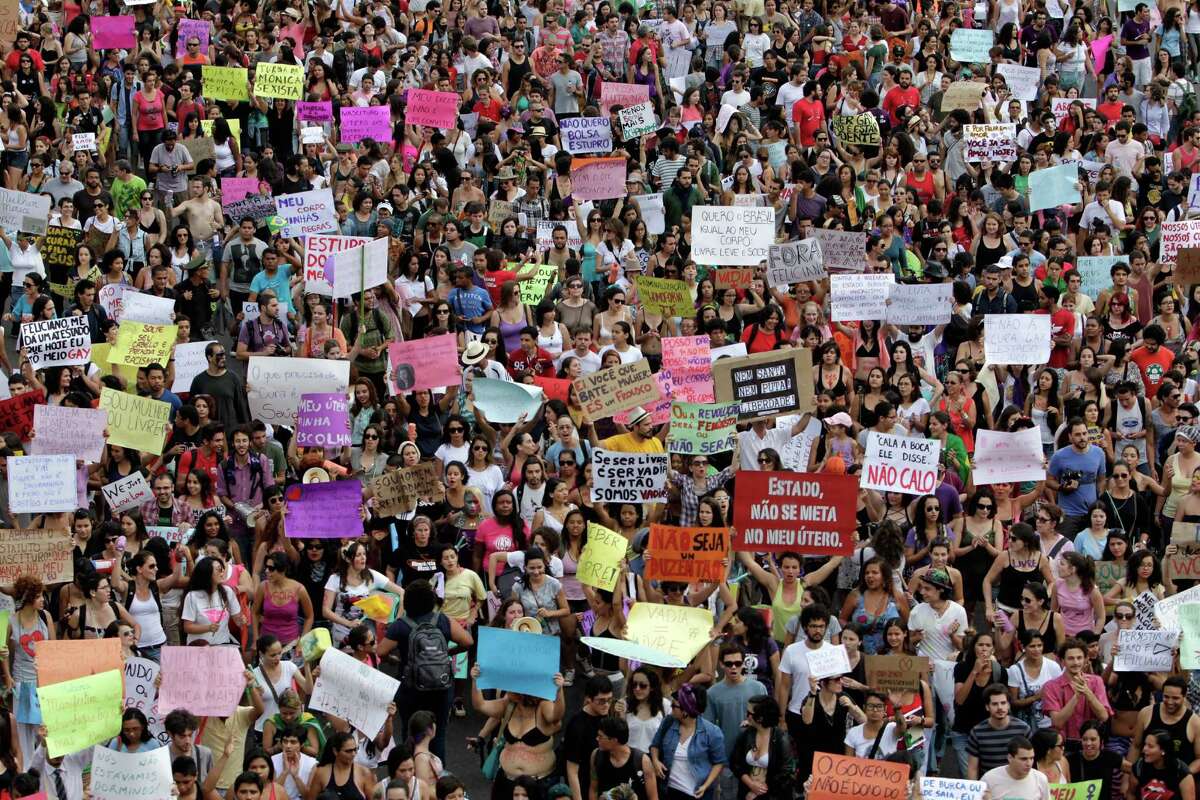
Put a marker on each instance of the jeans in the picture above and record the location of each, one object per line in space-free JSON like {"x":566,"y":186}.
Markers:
{"x":408,"y":702}
{"x":959,"y":740}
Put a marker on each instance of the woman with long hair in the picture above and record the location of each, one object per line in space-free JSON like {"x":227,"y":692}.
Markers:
{"x":339,"y":769}
{"x":784,"y":585}
{"x":280,"y":603}
{"x":1020,"y":562}
{"x":210,"y":605}
{"x":976,"y":670}
{"x":352,"y":581}
{"x":1159,"y":772}
{"x":275,"y":675}
{"x":1143,"y":573}
{"x":1076,"y":595}
{"x":142,"y":600}
{"x":99,"y":610}
{"x":876,"y":600}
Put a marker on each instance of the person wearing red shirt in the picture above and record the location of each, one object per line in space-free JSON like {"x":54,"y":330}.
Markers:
{"x":808,"y":115}
{"x":530,"y":359}
{"x":1062,"y":328}
{"x":1110,"y":109}
{"x":902,"y":94}
{"x":14,"y":58}
{"x":1152,"y":358}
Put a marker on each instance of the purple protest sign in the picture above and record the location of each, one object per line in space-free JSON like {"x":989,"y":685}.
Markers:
{"x":188,"y":28}
{"x":436,"y":109}
{"x":314,"y":111}
{"x":113,"y":32}
{"x":234,"y":189}
{"x":322,"y":510}
{"x":372,"y":121}
{"x":324,"y":420}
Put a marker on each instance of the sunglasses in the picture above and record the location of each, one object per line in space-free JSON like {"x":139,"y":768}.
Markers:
{"x":457,"y":430}
{"x":1122,"y":616}
{"x":370,"y":436}
{"x":732,"y":664}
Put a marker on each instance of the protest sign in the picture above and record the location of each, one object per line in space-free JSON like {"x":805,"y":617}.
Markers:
{"x":498,"y":211}
{"x":137,"y":422}
{"x":653,"y":212}
{"x":83,"y":142}
{"x":206,"y":128}
{"x":905,"y":464}
{"x":324,"y":420}
{"x":963,"y":94}
{"x":609,"y":391}
{"x":10,"y":20}
{"x":896,"y":673}
{"x":306,"y":213}
{"x":24,"y":211}
{"x":686,"y":554}
{"x":260,"y":208}
{"x":224,"y":83}
{"x":628,"y":477}
{"x":1016,"y":338}
{"x":731,"y":236}
{"x":1002,"y":457}
{"x":950,"y":788}
{"x":859,"y":296}
{"x":600,"y":562}
{"x":284,"y":81}
{"x":207,"y":681}
{"x":351,"y":690}
{"x":1166,"y":611}
{"x":359,"y":267}
{"x":189,"y":362}
{"x":45,"y":554}
{"x":148,"y":308}
{"x":1185,"y":564}
{"x":1053,"y":186}
{"x":597,"y":178}
{"x":676,"y":631}
{"x":141,"y":693}
{"x":129,"y":492}
{"x":275,"y":385}
{"x":374,"y":122}
{"x":837,"y":777}
{"x":621,"y":94}
{"x":38,"y":484}
{"x":194,"y":29}
{"x":1108,"y":573}
{"x":506,"y":402}
{"x":765,"y":384}
{"x":842,"y":250}
{"x":83,"y":712}
{"x":314,"y":110}
{"x":920,"y":303}
{"x":996,"y":142}
{"x":733,"y":278}
{"x":810,"y":513}
{"x":435,"y":109}
{"x":637,"y":121}
{"x":545,"y":233}
{"x":58,"y":253}
{"x":1143,"y":606}
{"x":140,"y":343}
{"x":60,"y":660}
{"x":1080,"y":790}
{"x":533,"y":291}
{"x":1187,"y":266}
{"x":670,"y":298}
{"x":397,"y":492}
{"x":110,"y":33}
{"x":687,"y":367}
{"x":794,"y":262}
{"x":860,"y":129}
{"x":971,"y":45}
{"x":1189,"y":643}
{"x":318,"y":247}
{"x":1177,"y":236}
{"x":1094,"y":272}
{"x":64,"y":430}
{"x":429,"y":363}
{"x":320,"y":510}
{"x":554,"y":388}
{"x":514,"y":661}
{"x":828,"y":661}
{"x":702,"y":428}
{"x":17,"y":413}
{"x":586,"y":134}
{"x":119,"y":775}
{"x":57,"y":342}
{"x":1145,"y":651}
{"x":1022,"y":81}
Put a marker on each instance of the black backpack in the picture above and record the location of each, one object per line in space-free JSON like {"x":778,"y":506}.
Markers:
{"x":428,"y":666}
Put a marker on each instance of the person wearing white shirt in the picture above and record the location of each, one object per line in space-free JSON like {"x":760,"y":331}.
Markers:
{"x":62,"y":777}
{"x":589,"y":361}
{"x":1018,"y":780}
{"x":794,"y":668}
{"x":357,"y":76}
{"x":1103,"y":208}
{"x":938,"y":623}
{"x":292,"y":767}
{"x":761,"y":437}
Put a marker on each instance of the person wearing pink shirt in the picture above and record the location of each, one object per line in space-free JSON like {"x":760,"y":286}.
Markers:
{"x":1076,"y":696}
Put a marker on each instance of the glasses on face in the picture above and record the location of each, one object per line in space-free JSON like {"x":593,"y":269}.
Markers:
{"x":1125,"y":616}
{"x":618,"y":302}
{"x":764,"y":461}
{"x":932,"y":508}
{"x":370,"y":436}
{"x":566,"y":463}
{"x":314,"y":546}
{"x":480,"y":448}
{"x":732,"y":664}
{"x":1043,"y":519}
{"x":874,"y":706}
{"x":457,"y":430}
{"x":640,"y":684}
{"x":1026,"y":599}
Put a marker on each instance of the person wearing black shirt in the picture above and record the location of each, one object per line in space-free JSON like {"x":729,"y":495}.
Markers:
{"x":770,"y":76}
{"x":417,"y":557}
{"x":579,"y":737}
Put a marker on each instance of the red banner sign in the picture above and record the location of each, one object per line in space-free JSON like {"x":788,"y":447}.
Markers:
{"x":811,"y":513}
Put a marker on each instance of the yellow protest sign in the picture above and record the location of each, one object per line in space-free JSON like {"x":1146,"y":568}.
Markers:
{"x":285,"y":81}
{"x":601,"y":560}
{"x":224,"y":83}
{"x":679,"y":631}
{"x":533,"y":291}
{"x":235,"y":126}
{"x":376,"y":607}
{"x":82,"y":712}
{"x":665,"y":296}
{"x":128,"y":374}
{"x":140,"y":343}
{"x":136,"y":422}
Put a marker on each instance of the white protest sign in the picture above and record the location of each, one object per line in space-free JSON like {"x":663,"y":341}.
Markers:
{"x":1166,"y":611}
{"x":24,"y":211}
{"x":653,"y":212}
{"x":127,"y":492}
{"x":843,"y":250}
{"x":859,"y":296}
{"x":545,"y":233}
{"x":1145,"y":651}
{"x":906,"y":464}
{"x":586,"y":134}
{"x":274,"y":385}
{"x":952,"y":788}
{"x":751,"y":200}
{"x":306,"y":213}
{"x":57,"y":342}
{"x":85,"y":142}
{"x":628,"y":477}
{"x":724,"y":115}
{"x":354,"y":691}
{"x":637,"y":120}
{"x":118,"y":775}
{"x":1143,"y":607}
{"x":1092,"y":168}
{"x":250,"y":311}
{"x":313,"y":135}
{"x":1002,"y":457}
{"x":317,"y":250}
{"x":112,"y":299}
{"x":189,"y":362}
{"x":64,"y":430}
{"x":359,"y":268}
{"x":1061,"y":106}
{"x":142,"y":694}
{"x":995,"y":142}
{"x":920,"y":303}
{"x":1016,"y":338}
{"x":1022,"y":81}
{"x":1177,"y":236}
{"x":730,"y":237}
{"x":142,"y":307}
{"x":39,"y":484}
{"x":831,"y":659}
{"x":794,"y":262}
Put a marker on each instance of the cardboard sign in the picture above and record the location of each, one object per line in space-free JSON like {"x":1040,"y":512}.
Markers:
{"x":201,"y":29}
{"x":40,"y":484}
{"x":136,"y":422}
{"x":320,"y":510}
{"x":141,"y":692}
{"x":1185,"y":564}
{"x":628,"y":477}
{"x":837,"y":777}
{"x":1145,"y":651}
{"x":670,"y":298}
{"x":600,"y":562}
{"x":274,"y":386}
{"x":795,"y":262}
{"x":351,"y":690}
{"x":58,"y":249}
{"x":1002,"y":457}
{"x":45,"y":554}
{"x":896,"y":673}
{"x":396,"y":492}
{"x":686,"y":554}
{"x":80,"y":713}
{"x":637,"y":121}
{"x":1187,"y":266}
{"x":828,"y":661}
{"x":586,"y":134}
{"x":533,"y":291}
{"x":129,"y":492}
{"x":1022,"y":81}
{"x":1016,"y":338}
{"x":57,"y":342}
{"x":860,"y":129}
{"x":766,"y":384}
{"x":207,"y":681}
{"x":859,"y":296}
{"x":505,"y":402}
{"x":518,"y":662}
{"x":905,"y":464}
{"x":811,"y":513}
{"x":430,"y":363}
{"x":731,"y":236}
{"x":61,"y":660}
{"x":189,"y":362}
{"x":966,"y":95}
{"x":1178,"y":236}
{"x":608,"y":391}
{"x":842,"y":250}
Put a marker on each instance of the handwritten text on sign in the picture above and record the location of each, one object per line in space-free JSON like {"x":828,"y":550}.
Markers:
{"x":843,"y":250}
{"x":952,"y":789}
{"x":1176,"y":236}
{"x":906,"y":464}
{"x":837,"y":777}
{"x":57,"y":342}
{"x":730,"y":237}
{"x":1080,"y":790}
{"x":794,"y":262}
{"x":601,"y":559}
{"x":811,"y":513}
{"x":765,"y":384}
{"x":208,"y":681}
{"x":435,"y":109}
{"x":1016,"y":338}
{"x":686,"y":554}
{"x":864,"y":296}
{"x":353,"y":691}
{"x":1145,"y":651}
{"x":609,"y":391}
{"x":1002,"y":457}
{"x":995,"y":142}
{"x":628,"y":477}
{"x":702,"y":428}
{"x":586,"y":134}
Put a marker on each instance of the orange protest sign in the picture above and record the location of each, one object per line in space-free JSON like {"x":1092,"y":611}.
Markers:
{"x":845,"y":778}
{"x":61,"y":660}
{"x":686,"y":554}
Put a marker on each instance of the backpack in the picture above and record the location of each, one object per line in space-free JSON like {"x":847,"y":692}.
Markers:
{"x":428,"y":665}
{"x":256,"y":471}
{"x":1188,"y":103}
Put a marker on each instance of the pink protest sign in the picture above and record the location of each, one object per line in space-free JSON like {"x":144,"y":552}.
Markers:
{"x":425,"y":363}
{"x":207,"y":681}
{"x":622,"y":94}
{"x":372,"y":121}
{"x":314,"y":111}
{"x":191,"y":30}
{"x":234,"y":189}
{"x":597,"y":178}
{"x":113,"y":32}
{"x":435,"y":109}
